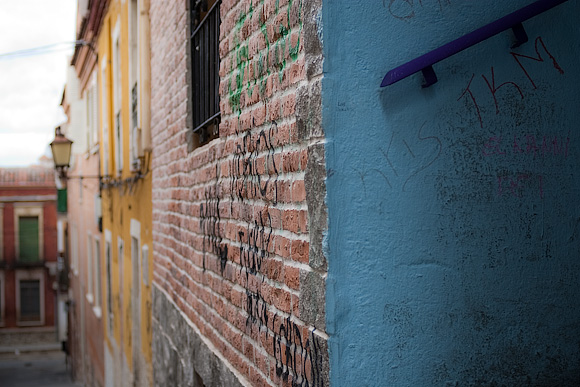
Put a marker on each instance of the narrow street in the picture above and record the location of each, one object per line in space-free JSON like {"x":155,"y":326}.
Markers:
{"x":305,"y":193}
{"x":47,"y":369}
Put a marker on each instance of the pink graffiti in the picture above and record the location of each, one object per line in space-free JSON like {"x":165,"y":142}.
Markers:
{"x":493,"y":89}
{"x":539,"y":58}
{"x":472,"y":96}
{"x":528,"y":145}
{"x":490,"y":81}
{"x":493,"y":147}
{"x":520,"y":183}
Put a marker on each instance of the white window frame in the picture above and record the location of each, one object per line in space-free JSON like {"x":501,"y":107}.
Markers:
{"x":30,"y":275}
{"x":134,"y":79}
{"x":95,"y":123}
{"x":117,"y":99}
{"x":80,"y":173}
{"x":24,"y":210}
{"x":89,"y":273}
{"x":109,"y":269}
{"x":60,"y":236}
{"x":136,"y":230}
{"x":136,"y":250}
{"x":75,"y":249}
{"x":92,"y":105}
{"x":97,"y":276}
{"x":145,"y":265}
{"x":120,"y":262}
{"x":98,"y":208}
{"x":135,"y":259}
{"x":105,"y":115}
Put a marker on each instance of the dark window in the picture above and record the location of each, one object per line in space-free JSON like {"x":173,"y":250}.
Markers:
{"x":119,"y":145}
{"x":205,"y":59}
{"x":134,"y":102}
{"x":135,"y":130}
{"x":28,"y":238}
{"x":29,"y":300}
{"x":109,"y":287}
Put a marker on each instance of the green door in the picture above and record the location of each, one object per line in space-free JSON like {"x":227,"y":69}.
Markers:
{"x":28,"y":238}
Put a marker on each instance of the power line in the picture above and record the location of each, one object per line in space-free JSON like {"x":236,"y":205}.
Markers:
{"x":41,"y":50}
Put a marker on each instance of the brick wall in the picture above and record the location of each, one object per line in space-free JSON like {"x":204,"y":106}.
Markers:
{"x":238,"y":223}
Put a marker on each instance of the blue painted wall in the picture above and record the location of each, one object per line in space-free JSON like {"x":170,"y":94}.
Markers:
{"x":454,"y":224}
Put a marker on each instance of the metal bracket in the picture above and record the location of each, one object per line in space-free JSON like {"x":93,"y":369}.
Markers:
{"x":429,"y":76}
{"x":520,"y":35}
{"x":511,"y":21}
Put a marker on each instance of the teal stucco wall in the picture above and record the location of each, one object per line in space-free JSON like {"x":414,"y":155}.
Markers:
{"x":454,"y":220}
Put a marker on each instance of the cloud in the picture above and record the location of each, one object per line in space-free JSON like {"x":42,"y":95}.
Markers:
{"x":31,"y":86}
{"x":23,"y":148}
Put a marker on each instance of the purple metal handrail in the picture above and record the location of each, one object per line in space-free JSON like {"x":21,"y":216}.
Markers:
{"x":513,"y":20}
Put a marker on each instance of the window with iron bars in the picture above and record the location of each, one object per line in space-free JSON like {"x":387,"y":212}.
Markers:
{"x":118,"y":143}
{"x":135,"y":129}
{"x":205,"y":31}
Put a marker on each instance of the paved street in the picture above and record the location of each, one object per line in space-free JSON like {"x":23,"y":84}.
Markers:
{"x":30,"y":370}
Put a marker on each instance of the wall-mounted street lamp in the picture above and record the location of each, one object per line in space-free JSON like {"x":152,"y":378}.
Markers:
{"x":61,"y":150}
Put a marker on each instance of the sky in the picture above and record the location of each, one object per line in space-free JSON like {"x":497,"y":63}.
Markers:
{"x":31,"y":85}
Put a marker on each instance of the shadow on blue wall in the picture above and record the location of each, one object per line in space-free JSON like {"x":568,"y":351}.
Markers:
{"x":453,"y":213}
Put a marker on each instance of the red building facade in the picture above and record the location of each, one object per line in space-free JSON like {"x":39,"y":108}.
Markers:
{"x":28,"y":254}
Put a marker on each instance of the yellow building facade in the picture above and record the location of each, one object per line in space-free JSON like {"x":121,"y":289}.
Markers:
{"x":124,"y":98}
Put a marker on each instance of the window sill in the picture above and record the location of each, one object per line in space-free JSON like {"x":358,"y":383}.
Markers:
{"x":29,"y":323}
{"x":97,"y":311}
{"x":90,"y":298}
{"x":29,"y":265}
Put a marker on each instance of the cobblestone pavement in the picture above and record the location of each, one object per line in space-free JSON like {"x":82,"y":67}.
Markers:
{"x":46,"y":369}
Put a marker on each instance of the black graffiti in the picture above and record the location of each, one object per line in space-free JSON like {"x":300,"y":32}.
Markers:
{"x":301,"y":364}
{"x":209,"y":223}
{"x":252,"y":255}
{"x":254,"y":175}
{"x":257,"y":309}
{"x":416,"y":165}
{"x":292,"y":357}
{"x":246,"y":179}
{"x":254,"y":251}
{"x":250,"y":179}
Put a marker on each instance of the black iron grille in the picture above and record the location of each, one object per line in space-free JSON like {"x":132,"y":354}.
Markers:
{"x":134,"y":110}
{"x":30,"y":300}
{"x":205,"y":27}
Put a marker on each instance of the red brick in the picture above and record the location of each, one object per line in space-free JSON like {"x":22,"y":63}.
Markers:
{"x":282,"y":247}
{"x":292,"y":277}
{"x":300,"y":251}
{"x":274,"y":270}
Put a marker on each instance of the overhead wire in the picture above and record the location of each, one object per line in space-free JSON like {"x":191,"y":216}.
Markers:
{"x":63,"y":46}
